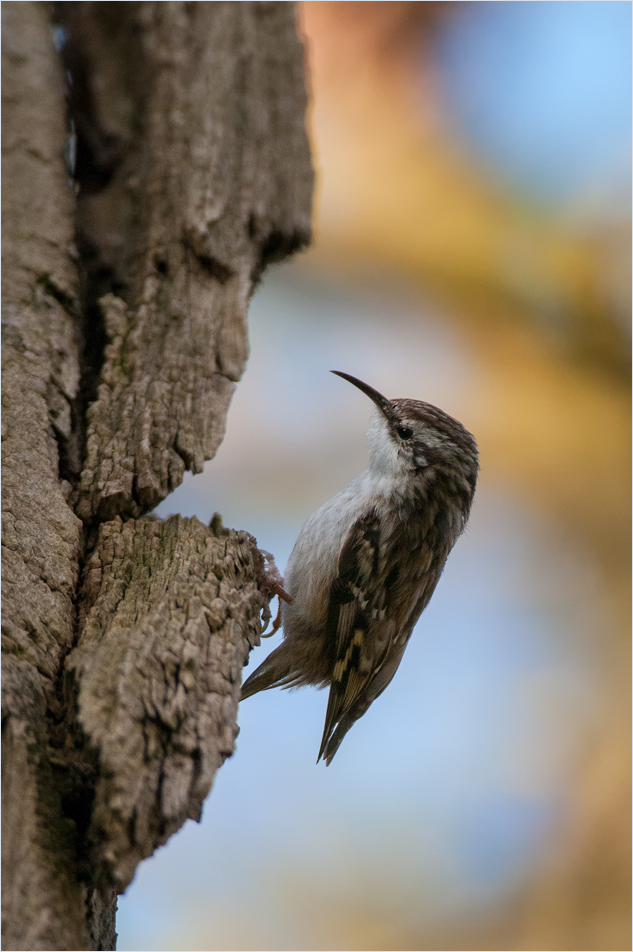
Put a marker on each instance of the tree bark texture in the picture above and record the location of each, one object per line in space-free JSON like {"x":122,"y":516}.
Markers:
{"x":127,"y":272}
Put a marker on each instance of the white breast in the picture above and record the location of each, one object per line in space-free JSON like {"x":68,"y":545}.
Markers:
{"x":314,"y":560}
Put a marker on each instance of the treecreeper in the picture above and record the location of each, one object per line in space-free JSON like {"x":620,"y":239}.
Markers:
{"x":366,"y":564}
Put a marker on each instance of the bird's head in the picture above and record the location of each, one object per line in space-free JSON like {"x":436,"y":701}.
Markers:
{"x":415,"y":440}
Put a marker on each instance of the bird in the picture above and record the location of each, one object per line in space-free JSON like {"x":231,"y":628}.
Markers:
{"x":366,"y":564}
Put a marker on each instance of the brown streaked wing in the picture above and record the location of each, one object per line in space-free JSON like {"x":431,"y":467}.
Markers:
{"x":353,"y":596}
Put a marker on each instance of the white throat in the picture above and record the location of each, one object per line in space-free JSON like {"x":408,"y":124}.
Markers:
{"x":384,"y":459}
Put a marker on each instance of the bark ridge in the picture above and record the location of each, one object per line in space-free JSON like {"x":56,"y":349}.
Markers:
{"x":171,"y":613}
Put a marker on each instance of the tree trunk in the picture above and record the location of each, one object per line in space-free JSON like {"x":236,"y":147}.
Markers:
{"x":127,"y":272}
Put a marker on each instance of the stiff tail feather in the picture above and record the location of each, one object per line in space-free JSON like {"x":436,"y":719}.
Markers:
{"x":330,"y":744}
{"x":274,"y":672}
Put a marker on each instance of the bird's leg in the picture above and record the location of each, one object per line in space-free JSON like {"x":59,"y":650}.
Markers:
{"x":277,"y":621}
{"x":278,"y":590}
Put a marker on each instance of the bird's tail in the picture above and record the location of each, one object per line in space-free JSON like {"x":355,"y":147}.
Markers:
{"x":329,"y":745}
{"x":333,"y":736}
{"x":275,"y":671}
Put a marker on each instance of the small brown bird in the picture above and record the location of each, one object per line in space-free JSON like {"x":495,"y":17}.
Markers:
{"x":366,"y":563}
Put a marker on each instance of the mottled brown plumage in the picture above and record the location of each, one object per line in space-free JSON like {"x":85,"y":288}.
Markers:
{"x":366,"y":564}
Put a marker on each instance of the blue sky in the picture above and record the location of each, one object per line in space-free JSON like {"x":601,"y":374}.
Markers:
{"x":542,"y":91}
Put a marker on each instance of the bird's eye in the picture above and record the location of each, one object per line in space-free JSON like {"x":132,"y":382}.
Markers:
{"x":404,"y":432}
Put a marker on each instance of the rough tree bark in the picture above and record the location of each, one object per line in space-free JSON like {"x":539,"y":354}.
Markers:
{"x":127,"y":271}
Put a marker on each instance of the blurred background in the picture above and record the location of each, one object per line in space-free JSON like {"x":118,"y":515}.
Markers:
{"x":472,"y":249}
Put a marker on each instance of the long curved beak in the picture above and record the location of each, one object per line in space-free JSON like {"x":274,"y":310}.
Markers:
{"x":381,"y":402}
